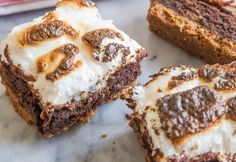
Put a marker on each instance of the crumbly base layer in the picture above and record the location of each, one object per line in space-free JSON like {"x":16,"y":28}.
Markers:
{"x":189,"y":35}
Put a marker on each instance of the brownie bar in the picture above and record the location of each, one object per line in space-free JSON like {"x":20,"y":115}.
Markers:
{"x":187,"y":114}
{"x":61,"y":67}
{"x":205,"y":28}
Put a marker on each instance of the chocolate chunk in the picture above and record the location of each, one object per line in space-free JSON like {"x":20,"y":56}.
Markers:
{"x":231,"y":103}
{"x":111,"y":51}
{"x":178,"y":80}
{"x":225,"y":85}
{"x":190,"y":111}
{"x":46,"y":30}
{"x":209,"y":72}
{"x":227,"y":81}
{"x":94,"y":38}
{"x":209,"y":16}
{"x":104,"y":53}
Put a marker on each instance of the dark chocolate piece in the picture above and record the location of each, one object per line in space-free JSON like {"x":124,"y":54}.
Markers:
{"x":110,"y":51}
{"x":190,"y":111}
{"x":209,"y":72}
{"x":178,"y":80}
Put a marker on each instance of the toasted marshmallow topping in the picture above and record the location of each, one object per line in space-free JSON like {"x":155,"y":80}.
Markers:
{"x":51,"y":49}
{"x":193,"y":116}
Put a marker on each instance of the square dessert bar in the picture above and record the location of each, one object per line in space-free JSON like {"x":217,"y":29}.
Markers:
{"x":60,"y":67}
{"x":205,"y":28}
{"x":187,"y":114}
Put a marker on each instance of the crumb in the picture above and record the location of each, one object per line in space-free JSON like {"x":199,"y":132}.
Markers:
{"x":127,"y":116}
{"x":104,"y":136}
{"x":113,"y":143}
{"x":153,"y":58}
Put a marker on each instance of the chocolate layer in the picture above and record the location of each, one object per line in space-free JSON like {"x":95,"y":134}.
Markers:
{"x":65,"y":116}
{"x":52,"y":119}
{"x":14,"y":78}
{"x":209,"y":16}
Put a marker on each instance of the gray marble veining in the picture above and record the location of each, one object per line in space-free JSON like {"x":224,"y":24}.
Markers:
{"x":20,"y":142}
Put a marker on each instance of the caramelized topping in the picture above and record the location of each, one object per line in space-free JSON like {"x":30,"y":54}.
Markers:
{"x":233,"y":64}
{"x":209,"y":72}
{"x":178,"y":80}
{"x":45,"y":31}
{"x":80,"y":3}
{"x":59,"y":62}
{"x":231,"y":103}
{"x":108,"y":52}
{"x":227,"y":81}
{"x":190,"y":111}
{"x":225,"y":84}
{"x":94,"y":38}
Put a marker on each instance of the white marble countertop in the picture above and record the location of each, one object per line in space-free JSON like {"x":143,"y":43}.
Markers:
{"x":20,"y":142}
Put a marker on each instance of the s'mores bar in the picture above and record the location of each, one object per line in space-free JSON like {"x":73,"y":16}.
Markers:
{"x":60,"y":67}
{"x":205,"y":28}
{"x":187,"y":114}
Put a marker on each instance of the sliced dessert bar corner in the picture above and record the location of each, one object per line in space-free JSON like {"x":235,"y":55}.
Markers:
{"x":187,"y":114}
{"x":205,"y":28}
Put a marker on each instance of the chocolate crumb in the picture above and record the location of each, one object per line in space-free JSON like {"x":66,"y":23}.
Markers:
{"x":127,"y":117}
{"x":153,"y":58}
{"x":104,"y":135}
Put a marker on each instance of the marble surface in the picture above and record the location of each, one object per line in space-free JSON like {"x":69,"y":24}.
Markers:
{"x":20,"y":142}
